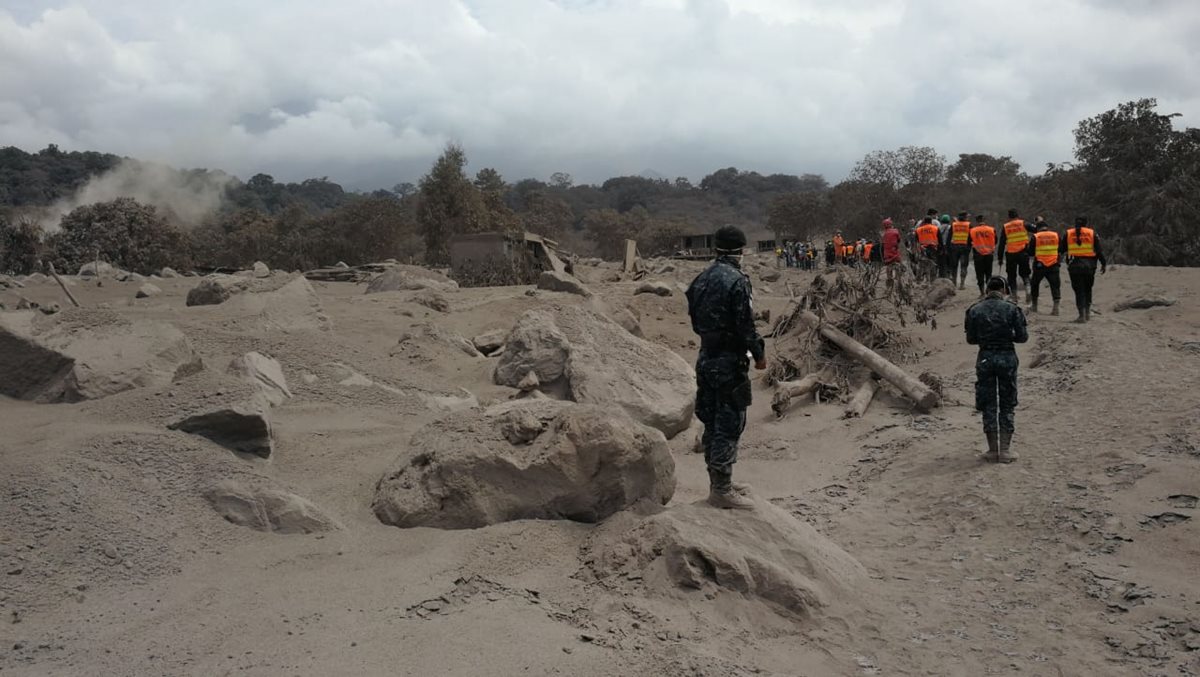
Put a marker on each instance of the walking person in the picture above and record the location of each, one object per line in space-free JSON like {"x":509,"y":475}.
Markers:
{"x":995,"y":324}
{"x":1082,"y":247}
{"x":720,"y":303}
{"x":1046,"y":259}
{"x":960,"y":249}
{"x":1013,"y":252}
{"x":983,"y":245}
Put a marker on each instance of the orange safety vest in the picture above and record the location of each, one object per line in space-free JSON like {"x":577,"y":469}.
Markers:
{"x":1046,"y":247}
{"x":983,"y":237}
{"x":1015,"y":235}
{"x":1084,"y":244}
{"x":960,"y":232}
{"x":867,"y":251}
{"x":848,"y":250}
{"x":927,"y":235}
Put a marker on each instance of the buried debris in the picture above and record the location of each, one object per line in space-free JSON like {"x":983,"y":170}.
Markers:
{"x":848,"y":320}
{"x":786,"y":391}
{"x":267,"y":509}
{"x":1143,"y":302}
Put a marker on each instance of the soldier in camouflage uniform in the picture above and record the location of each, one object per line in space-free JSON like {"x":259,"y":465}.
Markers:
{"x":995,"y":324}
{"x":719,"y":303}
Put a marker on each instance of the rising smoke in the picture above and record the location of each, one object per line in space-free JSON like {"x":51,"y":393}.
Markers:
{"x":185,"y":197}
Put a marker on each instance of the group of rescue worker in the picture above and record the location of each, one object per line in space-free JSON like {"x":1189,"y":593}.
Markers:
{"x":1029,"y":252}
{"x":720,"y":304}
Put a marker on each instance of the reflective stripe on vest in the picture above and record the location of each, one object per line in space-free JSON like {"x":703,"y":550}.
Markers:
{"x":960,"y":232}
{"x":927,"y":235}
{"x":1046,"y":247}
{"x":1081,"y":242}
{"x":984,"y":239}
{"x":1015,"y":235}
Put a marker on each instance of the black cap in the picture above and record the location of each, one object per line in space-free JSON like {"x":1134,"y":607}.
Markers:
{"x":1012,"y":213}
{"x":1081,"y":220}
{"x":963,"y":215}
{"x":980,"y":217}
{"x":729,"y":238}
{"x":997,"y":283}
{"x":931,"y":211}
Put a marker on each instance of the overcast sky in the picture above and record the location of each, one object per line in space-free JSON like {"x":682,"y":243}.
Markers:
{"x":368,"y":92}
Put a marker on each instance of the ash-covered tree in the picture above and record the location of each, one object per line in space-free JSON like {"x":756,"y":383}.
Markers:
{"x":449,"y":204}
{"x":1141,"y":179}
{"x":799,"y":215}
{"x":124,"y":232}
{"x":20,"y":245}
{"x":493,"y":190}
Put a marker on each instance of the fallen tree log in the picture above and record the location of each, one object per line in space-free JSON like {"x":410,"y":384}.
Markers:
{"x":786,"y":391}
{"x":921,"y":395}
{"x":862,"y":398}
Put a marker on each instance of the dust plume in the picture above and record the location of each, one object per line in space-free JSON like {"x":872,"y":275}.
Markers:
{"x":184,"y":196}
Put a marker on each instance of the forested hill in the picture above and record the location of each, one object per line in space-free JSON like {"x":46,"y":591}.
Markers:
{"x":1135,"y":174}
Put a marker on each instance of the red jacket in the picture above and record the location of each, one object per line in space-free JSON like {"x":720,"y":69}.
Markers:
{"x":891,"y":245}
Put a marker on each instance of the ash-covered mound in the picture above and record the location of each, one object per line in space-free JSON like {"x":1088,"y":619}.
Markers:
{"x":83,"y":354}
{"x":765,"y":554}
{"x":531,"y":459}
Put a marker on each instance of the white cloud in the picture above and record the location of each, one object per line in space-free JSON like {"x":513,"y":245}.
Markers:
{"x":368,"y":91}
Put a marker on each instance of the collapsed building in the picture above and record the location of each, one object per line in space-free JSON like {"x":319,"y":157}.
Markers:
{"x":485,"y":259}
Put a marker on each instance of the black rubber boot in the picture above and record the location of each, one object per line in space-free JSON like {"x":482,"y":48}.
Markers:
{"x":992,"y":455}
{"x":1006,"y":454}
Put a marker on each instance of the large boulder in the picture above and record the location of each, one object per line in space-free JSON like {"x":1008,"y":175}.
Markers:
{"x":243,"y":427}
{"x":555,"y":281}
{"x":405,"y":277}
{"x":530,"y":459}
{"x":81,"y":354}
{"x":267,"y":509}
{"x":600,"y":362}
{"x":147,"y":290}
{"x":764,"y":554}
{"x":292,"y":307}
{"x":168,"y":273}
{"x":264,"y":374}
{"x":537,"y":345}
{"x":261,"y":269}
{"x":215,"y":289}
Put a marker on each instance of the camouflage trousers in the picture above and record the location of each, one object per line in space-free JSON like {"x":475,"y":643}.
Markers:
{"x":996,"y":389}
{"x":722,"y":395}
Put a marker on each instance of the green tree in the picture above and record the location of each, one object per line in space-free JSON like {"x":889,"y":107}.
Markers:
{"x":975,"y":169}
{"x":449,"y":205}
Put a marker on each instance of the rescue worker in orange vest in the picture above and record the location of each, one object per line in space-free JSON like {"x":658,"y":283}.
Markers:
{"x":929,"y":243}
{"x":866,"y":253}
{"x":960,"y":248}
{"x":1044,"y":247}
{"x":983,"y":244}
{"x":1014,"y":248}
{"x":839,"y":246}
{"x":1082,"y":247}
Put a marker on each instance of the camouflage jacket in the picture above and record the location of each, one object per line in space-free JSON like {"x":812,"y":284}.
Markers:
{"x":720,"y":303}
{"x":995,"y":323}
